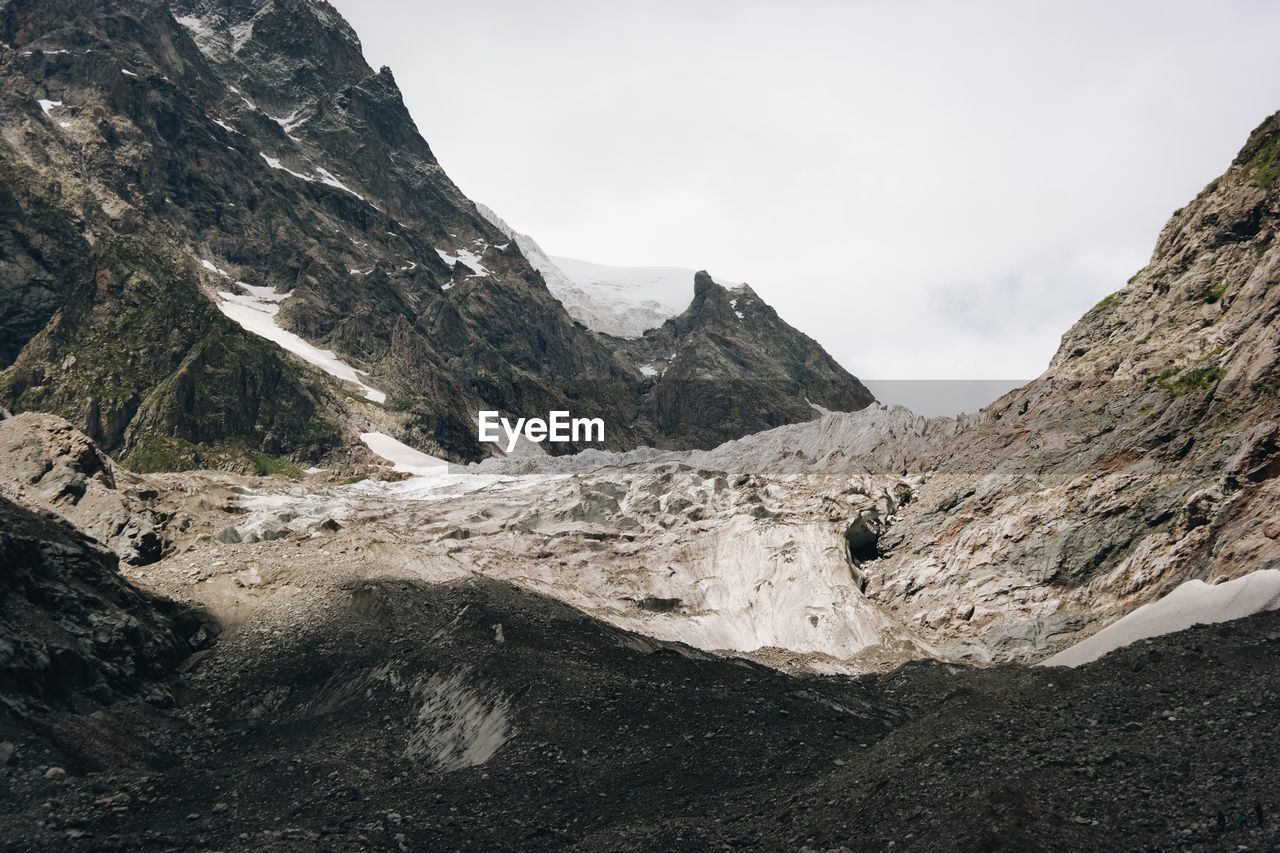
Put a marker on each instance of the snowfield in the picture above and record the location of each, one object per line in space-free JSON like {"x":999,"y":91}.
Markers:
{"x":619,"y":301}
{"x":403,"y":457}
{"x":1193,"y":603}
{"x":255,"y":311}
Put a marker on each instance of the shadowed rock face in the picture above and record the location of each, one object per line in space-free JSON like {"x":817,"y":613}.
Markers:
{"x":71,"y":629}
{"x":157,"y":156}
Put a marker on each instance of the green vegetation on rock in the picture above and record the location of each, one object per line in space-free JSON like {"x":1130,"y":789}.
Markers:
{"x":273,"y":467}
{"x":1181,"y":382}
{"x":169,"y":453}
{"x":147,"y":366}
{"x":1107,"y":301}
{"x":163,"y":453}
{"x":1214,"y":293}
{"x":1262,"y":162}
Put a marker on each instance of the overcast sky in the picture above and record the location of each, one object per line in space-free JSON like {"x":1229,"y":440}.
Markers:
{"x":930,"y":189}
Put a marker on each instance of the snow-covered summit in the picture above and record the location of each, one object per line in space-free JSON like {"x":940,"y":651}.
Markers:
{"x":620,"y":301}
{"x":623,"y":301}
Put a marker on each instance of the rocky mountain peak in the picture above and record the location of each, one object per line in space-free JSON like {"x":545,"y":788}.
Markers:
{"x":703,"y":284}
{"x":302,"y":42}
{"x":235,"y":174}
{"x":741,"y":362}
{"x":710,"y":299}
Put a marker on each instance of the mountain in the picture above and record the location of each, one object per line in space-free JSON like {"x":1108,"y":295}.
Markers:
{"x":776,"y":374}
{"x":721,"y":362}
{"x":1146,"y":456}
{"x":854,"y":630}
{"x":620,"y":301}
{"x":226,"y":243}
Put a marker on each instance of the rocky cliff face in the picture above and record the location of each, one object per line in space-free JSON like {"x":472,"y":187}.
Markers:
{"x":192,"y":186}
{"x":48,"y":464}
{"x":71,"y":629}
{"x":730,"y":360}
{"x":1146,"y":455}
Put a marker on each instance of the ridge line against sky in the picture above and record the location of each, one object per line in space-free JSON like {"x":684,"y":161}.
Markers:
{"x":933,"y":191}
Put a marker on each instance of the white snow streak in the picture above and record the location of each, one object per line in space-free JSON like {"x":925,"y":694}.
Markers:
{"x":323,"y":176}
{"x":195,"y":25}
{"x":326,"y":177}
{"x":403,"y":457}
{"x":1192,"y":603}
{"x":256,"y":313}
{"x":468,"y":258}
{"x":276,"y":164}
{"x":214,"y":268}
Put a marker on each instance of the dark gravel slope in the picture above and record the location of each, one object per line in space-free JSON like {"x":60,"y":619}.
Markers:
{"x":407,"y":719}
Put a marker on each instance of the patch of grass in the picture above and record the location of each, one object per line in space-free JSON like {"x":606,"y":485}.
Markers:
{"x":1213,"y":293}
{"x":1107,"y":301}
{"x":273,"y":467}
{"x":1182,"y":382}
{"x":169,"y":453}
{"x":1263,"y":163}
{"x":351,"y":481}
{"x":163,"y":453}
{"x":400,"y":403}
{"x":1266,"y":172}
{"x":319,"y":431}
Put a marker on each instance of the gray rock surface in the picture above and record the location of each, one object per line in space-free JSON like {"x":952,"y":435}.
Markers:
{"x":47,"y":463}
{"x":72,"y":631}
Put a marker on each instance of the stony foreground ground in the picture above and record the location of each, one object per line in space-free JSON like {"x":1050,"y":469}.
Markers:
{"x":473,"y":715}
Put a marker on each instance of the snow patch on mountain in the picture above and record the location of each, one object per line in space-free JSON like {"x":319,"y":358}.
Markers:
{"x":322,"y":176}
{"x":1193,"y":603}
{"x":469,"y":258}
{"x":214,"y":38}
{"x":403,"y":457}
{"x":255,"y":311}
